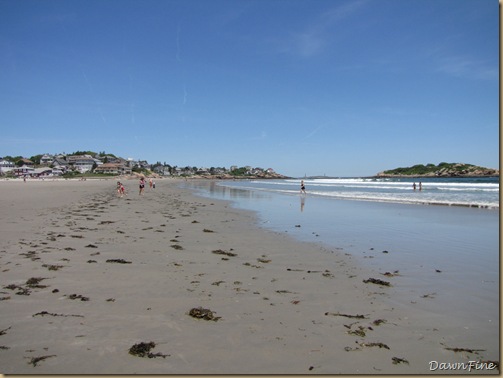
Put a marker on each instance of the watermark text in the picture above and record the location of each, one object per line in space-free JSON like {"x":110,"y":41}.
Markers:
{"x":469,"y":366}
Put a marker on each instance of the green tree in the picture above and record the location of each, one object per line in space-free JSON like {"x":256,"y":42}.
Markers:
{"x":36,"y":159}
{"x":239,"y":172}
{"x":13,"y":159}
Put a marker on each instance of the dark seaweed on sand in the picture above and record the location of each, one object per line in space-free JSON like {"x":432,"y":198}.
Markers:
{"x":43,"y":313}
{"x":118,"y":261}
{"x":35,"y":281}
{"x":35,"y":360}
{"x":78,"y":296}
{"x":221,"y":252}
{"x":397,"y":360}
{"x":357,"y":316}
{"x":377,"y":281}
{"x":143,"y":350}
{"x":52,"y":267}
{"x":203,"y":313}
{"x":4,"y":331}
{"x":370,"y":345}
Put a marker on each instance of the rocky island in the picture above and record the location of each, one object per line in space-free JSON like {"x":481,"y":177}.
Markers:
{"x":441,"y":170}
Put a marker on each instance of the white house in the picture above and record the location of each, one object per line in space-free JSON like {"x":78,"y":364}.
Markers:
{"x":162,"y":170}
{"x":46,"y":172}
{"x":23,"y":171}
{"x":46,"y":159}
{"x":81,"y":163}
{"x":203,"y":171}
{"x":6,"y":166}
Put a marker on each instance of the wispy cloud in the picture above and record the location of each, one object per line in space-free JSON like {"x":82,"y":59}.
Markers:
{"x":465,"y":67}
{"x":184,"y":94}
{"x":340,"y":12}
{"x":261,"y":136}
{"x":316,"y":35}
{"x":314,"y":131}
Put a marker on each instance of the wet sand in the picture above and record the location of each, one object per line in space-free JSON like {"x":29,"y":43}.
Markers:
{"x":88,"y":277}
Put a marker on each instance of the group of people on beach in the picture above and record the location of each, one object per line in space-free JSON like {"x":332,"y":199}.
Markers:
{"x":414,"y":187}
{"x":121,"y":190}
{"x":151,"y":183}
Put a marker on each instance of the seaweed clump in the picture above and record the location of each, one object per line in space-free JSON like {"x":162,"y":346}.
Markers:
{"x":377,"y":281}
{"x":35,"y":360}
{"x":35,"y":282}
{"x":118,"y":261}
{"x":143,"y":350}
{"x":203,"y":313}
{"x":222,"y":252}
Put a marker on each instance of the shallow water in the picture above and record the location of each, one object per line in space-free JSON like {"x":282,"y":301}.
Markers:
{"x":450,"y":253}
{"x":482,"y":192}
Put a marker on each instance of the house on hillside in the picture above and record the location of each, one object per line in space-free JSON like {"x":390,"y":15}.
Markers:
{"x":98,"y":162}
{"x":81,"y":163}
{"x":203,"y":171}
{"x":46,"y":159}
{"x":113,"y":168}
{"x":46,"y":172}
{"x":26,"y":162}
{"x":6,"y":166}
{"x":114,"y":159}
{"x":257,"y":171}
{"x":162,"y":170}
{"x":23,"y":171}
{"x":144,"y":164}
{"x":60,"y":163}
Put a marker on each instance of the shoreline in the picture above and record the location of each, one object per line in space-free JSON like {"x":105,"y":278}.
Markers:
{"x":433,"y":176}
{"x":286,"y":307}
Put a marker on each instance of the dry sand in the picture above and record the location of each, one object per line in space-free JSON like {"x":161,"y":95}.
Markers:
{"x":86,"y":275}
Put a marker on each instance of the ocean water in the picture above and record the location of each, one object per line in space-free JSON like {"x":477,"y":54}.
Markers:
{"x":452,"y":250}
{"x":360,"y":215}
{"x":472,"y":192}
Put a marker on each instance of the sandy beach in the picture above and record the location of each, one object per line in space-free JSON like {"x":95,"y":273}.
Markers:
{"x":92,"y":283}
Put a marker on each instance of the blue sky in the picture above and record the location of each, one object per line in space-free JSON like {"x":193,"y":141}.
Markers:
{"x":335,"y":87}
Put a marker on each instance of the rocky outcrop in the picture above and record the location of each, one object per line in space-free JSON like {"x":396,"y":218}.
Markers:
{"x":442,"y":170}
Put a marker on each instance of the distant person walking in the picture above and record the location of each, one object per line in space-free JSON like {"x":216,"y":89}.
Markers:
{"x":302,"y":187}
{"x":414,"y":186}
{"x":420,"y":186}
{"x":142,"y":185}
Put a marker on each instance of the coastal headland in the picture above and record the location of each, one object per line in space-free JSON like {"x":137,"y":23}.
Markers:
{"x":441,"y":170}
{"x":171,"y":283}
